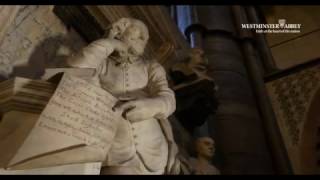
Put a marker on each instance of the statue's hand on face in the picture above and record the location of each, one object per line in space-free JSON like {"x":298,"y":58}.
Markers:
{"x":118,"y":28}
{"x":119,"y":46}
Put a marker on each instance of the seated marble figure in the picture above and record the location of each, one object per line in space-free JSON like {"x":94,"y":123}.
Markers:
{"x":144,"y":142}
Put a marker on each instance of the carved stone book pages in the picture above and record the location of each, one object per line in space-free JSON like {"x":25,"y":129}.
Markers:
{"x":77,"y":125}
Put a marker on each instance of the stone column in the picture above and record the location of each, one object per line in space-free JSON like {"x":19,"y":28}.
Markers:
{"x":267,"y":60}
{"x":189,"y":24}
{"x":250,"y":51}
{"x":237,"y":126}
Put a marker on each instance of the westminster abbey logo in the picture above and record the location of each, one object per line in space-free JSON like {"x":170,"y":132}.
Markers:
{"x":281,"y":27}
{"x":282,"y":23}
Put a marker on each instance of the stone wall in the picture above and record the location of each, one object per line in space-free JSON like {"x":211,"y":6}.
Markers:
{"x":292,"y":94}
{"x":290,"y":49}
{"x":33,"y":39}
{"x":291,"y":97}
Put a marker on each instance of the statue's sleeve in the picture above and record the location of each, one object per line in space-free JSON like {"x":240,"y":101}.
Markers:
{"x":92,"y":55}
{"x":159,"y":90}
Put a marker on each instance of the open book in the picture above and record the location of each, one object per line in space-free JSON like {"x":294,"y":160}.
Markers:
{"x":51,"y":124}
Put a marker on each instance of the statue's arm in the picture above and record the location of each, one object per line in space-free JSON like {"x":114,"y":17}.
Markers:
{"x":159,"y":90}
{"x":159,"y":104}
{"x":92,"y":55}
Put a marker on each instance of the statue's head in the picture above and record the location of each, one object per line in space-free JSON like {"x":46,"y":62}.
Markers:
{"x":205,"y":147}
{"x":131,"y":31}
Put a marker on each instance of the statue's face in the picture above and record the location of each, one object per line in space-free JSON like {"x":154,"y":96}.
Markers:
{"x":205,"y":147}
{"x":131,"y":34}
{"x":135,"y":39}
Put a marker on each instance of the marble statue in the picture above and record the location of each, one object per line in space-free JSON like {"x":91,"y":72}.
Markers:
{"x":205,"y":149}
{"x":144,"y":142}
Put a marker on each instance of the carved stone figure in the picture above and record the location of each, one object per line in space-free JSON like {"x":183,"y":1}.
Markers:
{"x":195,"y":90}
{"x":205,"y":150}
{"x":144,"y":142}
{"x":191,"y":68}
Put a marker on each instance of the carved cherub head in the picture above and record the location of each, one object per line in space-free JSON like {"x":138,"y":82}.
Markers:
{"x":205,"y":147}
{"x":131,"y":31}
